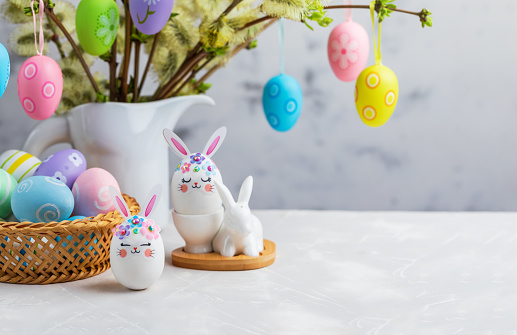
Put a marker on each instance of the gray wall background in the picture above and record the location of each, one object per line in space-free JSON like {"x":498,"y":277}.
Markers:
{"x":449,"y":145}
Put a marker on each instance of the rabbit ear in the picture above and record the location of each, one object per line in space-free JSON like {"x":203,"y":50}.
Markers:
{"x":176,"y":143}
{"x":214,"y":143}
{"x":245,"y":192}
{"x":152,"y":200}
{"x":225,"y":195}
{"x":119,"y":201}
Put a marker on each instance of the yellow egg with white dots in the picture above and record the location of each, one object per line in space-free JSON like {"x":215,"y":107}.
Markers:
{"x":376,"y":95}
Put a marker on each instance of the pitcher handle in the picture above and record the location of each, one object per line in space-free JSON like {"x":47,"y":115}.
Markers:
{"x":46,"y":133}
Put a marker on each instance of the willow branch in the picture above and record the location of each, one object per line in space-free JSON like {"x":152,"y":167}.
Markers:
{"x":193,"y":75}
{"x":113,"y":71}
{"x":266,"y":18}
{"x":127,"y":56}
{"x":55,"y":19}
{"x":137,"y":70}
{"x":180,"y":75}
{"x":149,"y":62}
{"x":368,"y":7}
{"x":234,"y":52}
{"x":192,"y":56}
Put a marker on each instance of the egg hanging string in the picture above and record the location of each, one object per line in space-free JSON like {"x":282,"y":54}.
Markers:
{"x":377,"y":48}
{"x":281,"y":41}
{"x":348,"y":11}
{"x":41,"y":37}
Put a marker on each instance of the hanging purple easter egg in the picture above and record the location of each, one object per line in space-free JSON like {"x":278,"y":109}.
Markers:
{"x":149,"y":16}
{"x":348,"y":49}
{"x":65,"y":165}
{"x":282,"y":100}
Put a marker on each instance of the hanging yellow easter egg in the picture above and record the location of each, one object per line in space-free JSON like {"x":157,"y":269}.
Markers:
{"x":376,"y":95}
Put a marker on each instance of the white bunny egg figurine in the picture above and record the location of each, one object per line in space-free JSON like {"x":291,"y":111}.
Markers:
{"x":137,"y":254}
{"x":192,"y":186}
{"x":241,"y":231}
{"x":198,"y":209}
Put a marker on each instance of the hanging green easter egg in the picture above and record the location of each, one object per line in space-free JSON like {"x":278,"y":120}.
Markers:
{"x":96,"y":23}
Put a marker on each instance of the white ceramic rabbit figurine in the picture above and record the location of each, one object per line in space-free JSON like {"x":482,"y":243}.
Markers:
{"x":241,"y":231}
{"x":137,"y":254}
{"x":192,"y":187}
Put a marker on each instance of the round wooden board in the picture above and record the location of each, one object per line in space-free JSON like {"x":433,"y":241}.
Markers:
{"x":215,"y":262}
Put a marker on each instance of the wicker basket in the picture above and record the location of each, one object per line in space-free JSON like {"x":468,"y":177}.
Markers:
{"x":56,"y":252}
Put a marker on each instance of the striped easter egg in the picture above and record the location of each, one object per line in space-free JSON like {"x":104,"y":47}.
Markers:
{"x":7,"y":186}
{"x":19,"y":164}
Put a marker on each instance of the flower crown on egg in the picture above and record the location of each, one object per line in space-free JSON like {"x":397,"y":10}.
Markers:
{"x":196,"y":163}
{"x":137,"y":225}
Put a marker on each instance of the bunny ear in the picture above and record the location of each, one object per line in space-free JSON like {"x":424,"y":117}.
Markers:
{"x":176,"y":143}
{"x":214,"y":143}
{"x":152,"y":200}
{"x":245,"y":192}
{"x":225,"y":195}
{"x":118,"y":200}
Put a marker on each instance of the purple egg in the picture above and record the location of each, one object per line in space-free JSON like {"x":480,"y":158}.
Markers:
{"x":65,"y":165}
{"x":149,"y":16}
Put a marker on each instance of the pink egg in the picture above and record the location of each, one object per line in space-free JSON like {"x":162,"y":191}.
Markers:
{"x":40,"y":85}
{"x":91,"y":192}
{"x":348,"y":49}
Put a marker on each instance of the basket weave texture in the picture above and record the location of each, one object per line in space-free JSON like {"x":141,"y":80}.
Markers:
{"x":56,"y":252}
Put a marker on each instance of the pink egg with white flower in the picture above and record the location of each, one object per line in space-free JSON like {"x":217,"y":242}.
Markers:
{"x":65,"y":165}
{"x":40,"y":85}
{"x":348,"y":50}
{"x":91,"y":192}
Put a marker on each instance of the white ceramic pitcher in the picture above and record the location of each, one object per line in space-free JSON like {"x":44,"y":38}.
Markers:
{"x":122,"y":138}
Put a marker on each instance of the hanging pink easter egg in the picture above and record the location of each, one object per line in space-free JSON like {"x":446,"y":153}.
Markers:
{"x":348,"y":49}
{"x":40,"y":85}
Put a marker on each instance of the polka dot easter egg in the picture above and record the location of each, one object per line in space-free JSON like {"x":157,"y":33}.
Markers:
{"x":19,"y":164}
{"x":376,"y":94}
{"x":40,"y":85}
{"x":65,"y":165}
{"x":96,"y":23}
{"x":42,"y":199}
{"x":7,"y":186}
{"x":149,"y":16}
{"x":5,"y":69}
{"x":348,"y":50}
{"x":282,"y":100}
{"x":91,"y":192}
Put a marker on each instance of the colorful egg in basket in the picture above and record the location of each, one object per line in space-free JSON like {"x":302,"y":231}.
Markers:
{"x":56,"y":252}
{"x":42,"y":199}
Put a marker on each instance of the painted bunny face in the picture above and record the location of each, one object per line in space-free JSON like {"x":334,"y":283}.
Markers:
{"x":193,"y":190}
{"x":136,"y":236}
{"x":137,"y":253}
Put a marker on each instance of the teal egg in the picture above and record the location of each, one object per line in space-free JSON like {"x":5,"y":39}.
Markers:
{"x":282,"y":100}
{"x":5,"y":69}
{"x":7,"y":186}
{"x":42,"y":199}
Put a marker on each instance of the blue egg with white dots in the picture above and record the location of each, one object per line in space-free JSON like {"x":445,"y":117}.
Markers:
{"x":42,"y":199}
{"x":282,"y":100}
{"x":5,"y":69}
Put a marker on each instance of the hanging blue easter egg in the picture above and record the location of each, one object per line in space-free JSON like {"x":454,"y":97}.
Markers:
{"x":282,"y":100}
{"x":5,"y":69}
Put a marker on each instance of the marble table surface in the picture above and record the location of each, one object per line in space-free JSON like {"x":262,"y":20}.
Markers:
{"x":335,"y":273}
